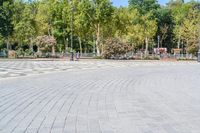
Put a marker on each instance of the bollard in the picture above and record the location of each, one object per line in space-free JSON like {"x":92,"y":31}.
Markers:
{"x":77,"y":56}
{"x":198,"y":57}
{"x":72,"y":56}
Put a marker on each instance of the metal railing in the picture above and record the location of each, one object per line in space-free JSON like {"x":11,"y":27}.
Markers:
{"x":3,"y":54}
{"x":131,"y":55}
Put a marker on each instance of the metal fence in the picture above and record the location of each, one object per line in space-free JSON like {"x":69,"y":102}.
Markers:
{"x":50,"y":55}
{"x":142,"y":56}
{"x":3,"y":54}
{"x":131,"y":55}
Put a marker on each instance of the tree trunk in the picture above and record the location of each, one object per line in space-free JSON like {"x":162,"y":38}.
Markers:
{"x":179,"y":41}
{"x":31,"y":45}
{"x":98,"y":40}
{"x":53,"y":50}
{"x":80,"y":45}
{"x":161,"y":42}
{"x":147,"y":46}
{"x":65,"y":44}
{"x":38,"y":49}
{"x":102,"y":48}
{"x":7,"y":44}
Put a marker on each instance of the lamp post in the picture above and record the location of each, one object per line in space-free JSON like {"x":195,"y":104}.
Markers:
{"x":182,"y":51}
{"x":94,"y":46}
{"x":158,"y":49}
{"x":72,"y":26}
{"x":199,"y":47}
{"x":66,"y":47}
{"x":198,"y":56}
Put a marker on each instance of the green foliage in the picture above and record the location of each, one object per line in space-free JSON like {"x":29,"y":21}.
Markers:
{"x":22,"y":53}
{"x":1,"y":39}
{"x":165,"y":25}
{"x":186,"y":18}
{"x":24,"y":22}
{"x":151,"y":58}
{"x":95,"y":21}
{"x":190,"y":31}
{"x":100,"y":13}
{"x":6,"y":27}
{"x":1,"y":42}
{"x":98,"y":57}
{"x":144,"y":6}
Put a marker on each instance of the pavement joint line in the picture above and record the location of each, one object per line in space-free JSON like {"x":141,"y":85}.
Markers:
{"x":99,"y":96}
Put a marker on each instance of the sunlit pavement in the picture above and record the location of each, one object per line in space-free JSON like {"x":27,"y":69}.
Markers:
{"x":99,"y":97}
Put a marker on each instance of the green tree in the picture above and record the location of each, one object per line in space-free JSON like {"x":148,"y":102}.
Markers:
{"x":144,"y":6}
{"x":149,"y":29}
{"x":25,"y":24}
{"x":61,"y":22}
{"x":165,"y":26}
{"x":100,"y":13}
{"x":145,"y":29}
{"x":82,"y":27}
{"x":179,"y":12}
{"x":127,"y":26}
{"x":190,"y":31}
{"x":6,"y":27}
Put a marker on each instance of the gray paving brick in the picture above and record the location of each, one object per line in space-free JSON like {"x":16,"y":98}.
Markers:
{"x":99,"y":97}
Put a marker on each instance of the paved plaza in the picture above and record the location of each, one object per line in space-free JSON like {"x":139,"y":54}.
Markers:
{"x":99,"y":97}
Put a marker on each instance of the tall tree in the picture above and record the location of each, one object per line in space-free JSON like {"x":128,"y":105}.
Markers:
{"x":144,"y":6}
{"x":179,"y":12}
{"x":165,"y":26}
{"x":6,"y":27}
{"x":100,"y":13}
{"x":190,"y":31}
{"x":61,"y":22}
{"x":81,"y":22}
{"x":25,"y":24}
{"x":149,"y":29}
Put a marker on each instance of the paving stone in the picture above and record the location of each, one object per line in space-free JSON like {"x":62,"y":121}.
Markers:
{"x":99,"y":97}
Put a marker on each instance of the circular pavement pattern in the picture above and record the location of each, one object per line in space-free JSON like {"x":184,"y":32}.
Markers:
{"x":99,"y":97}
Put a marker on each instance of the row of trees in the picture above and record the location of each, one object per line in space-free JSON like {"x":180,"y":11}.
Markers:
{"x":95,"y":21}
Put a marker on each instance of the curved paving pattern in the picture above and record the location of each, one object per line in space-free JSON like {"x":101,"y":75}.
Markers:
{"x":100,"y":97}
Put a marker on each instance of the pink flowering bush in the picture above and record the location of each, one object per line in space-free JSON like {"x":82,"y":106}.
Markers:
{"x":44,"y":42}
{"x":114,"y":47}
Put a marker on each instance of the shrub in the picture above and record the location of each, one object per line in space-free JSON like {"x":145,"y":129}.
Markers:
{"x":20,"y":52}
{"x":97,"y":57}
{"x":192,"y":49}
{"x":43,"y":42}
{"x":115,"y":48}
{"x":151,"y":58}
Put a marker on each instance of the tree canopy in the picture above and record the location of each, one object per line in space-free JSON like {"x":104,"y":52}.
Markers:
{"x":93,"y":22}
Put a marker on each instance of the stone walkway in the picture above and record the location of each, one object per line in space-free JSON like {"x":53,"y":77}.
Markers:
{"x":99,"y":97}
